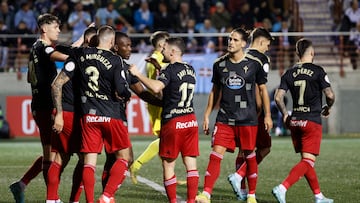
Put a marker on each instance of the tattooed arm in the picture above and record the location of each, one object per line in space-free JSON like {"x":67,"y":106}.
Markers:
{"x":56,"y":91}
{"x":279,"y":99}
{"x":330,"y":99}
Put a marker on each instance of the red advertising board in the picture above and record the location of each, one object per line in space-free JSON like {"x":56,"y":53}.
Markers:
{"x":21,"y":122}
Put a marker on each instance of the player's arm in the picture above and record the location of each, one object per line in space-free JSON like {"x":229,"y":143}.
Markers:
{"x":139,"y":90}
{"x":266,"y":106}
{"x":280,"y":103}
{"x":330,"y":99}
{"x":213,"y":99}
{"x":155,"y":86}
{"x":258,"y":99}
{"x":56,"y":91}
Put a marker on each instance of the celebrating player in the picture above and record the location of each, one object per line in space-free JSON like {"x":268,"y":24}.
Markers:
{"x":306,"y":82}
{"x":179,"y":131}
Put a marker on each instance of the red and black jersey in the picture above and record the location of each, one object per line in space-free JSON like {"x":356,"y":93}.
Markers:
{"x":102,"y":82}
{"x":71,"y":90}
{"x":306,"y":82}
{"x":131,"y":79}
{"x":179,"y":80}
{"x":41,"y":73}
{"x":261,"y":58}
{"x":237,"y":84}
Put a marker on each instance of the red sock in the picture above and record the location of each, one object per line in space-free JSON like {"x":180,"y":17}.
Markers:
{"x":33,"y":171}
{"x":212,"y":171}
{"x":192,"y":185}
{"x":53,"y":181}
{"x":116,"y":177}
{"x":45,"y":170}
{"x":296,"y":173}
{"x":252,"y":171}
{"x":77,"y":185}
{"x":89,"y":181}
{"x":104,"y":178}
{"x":312,"y":179}
{"x":170,"y":187}
{"x":238,"y":162}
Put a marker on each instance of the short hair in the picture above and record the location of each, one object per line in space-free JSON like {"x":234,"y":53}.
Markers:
{"x":260,"y":32}
{"x":301,"y":46}
{"x":47,"y":18}
{"x":105,"y":31}
{"x":241,"y":31}
{"x":90,"y":32}
{"x":178,"y":42}
{"x":119,"y":35}
{"x":157,"y":36}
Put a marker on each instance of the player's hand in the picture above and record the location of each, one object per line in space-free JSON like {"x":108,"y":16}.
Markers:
{"x":325,"y":111}
{"x":154,"y":62}
{"x":58,"y":123}
{"x":268,"y":123}
{"x":133,"y":70}
{"x":206,"y":126}
{"x":286,"y":120}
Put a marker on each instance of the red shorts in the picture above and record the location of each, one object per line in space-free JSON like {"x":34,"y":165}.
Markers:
{"x":44,"y":121}
{"x":306,"y":136}
{"x":99,"y":130}
{"x":263,"y":139}
{"x":234,"y":136}
{"x":69,"y":140}
{"x":179,"y":134}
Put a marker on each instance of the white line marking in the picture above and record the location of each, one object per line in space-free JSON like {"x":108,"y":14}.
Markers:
{"x":155,"y":186}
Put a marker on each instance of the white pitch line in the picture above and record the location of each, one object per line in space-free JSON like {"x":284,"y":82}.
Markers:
{"x":155,"y":186}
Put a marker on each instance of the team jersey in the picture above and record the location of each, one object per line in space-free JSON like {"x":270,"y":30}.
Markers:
{"x":71,"y":90}
{"x":179,"y":80}
{"x":237,"y":84}
{"x":102,"y":82}
{"x":41,"y":73}
{"x":305,"y":82}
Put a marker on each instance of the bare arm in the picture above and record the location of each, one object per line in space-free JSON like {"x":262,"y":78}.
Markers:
{"x":280,"y":103}
{"x":155,"y":86}
{"x":266,"y":106}
{"x":139,"y":90}
{"x":213,"y":99}
{"x":330,"y":99}
{"x":56,"y":91}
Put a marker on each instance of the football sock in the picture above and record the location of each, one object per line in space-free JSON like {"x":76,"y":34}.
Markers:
{"x":45,"y":169}
{"x":150,"y":152}
{"x":296,"y":173}
{"x":240,"y":162}
{"x":53,"y":181}
{"x":116,"y":177}
{"x":212,"y":171}
{"x":252,"y":171}
{"x":312,"y":179}
{"x":192,"y":182}
{"x":170,"y":187}
{"x":33,"y":171}
{"x":89,"y":181}
{"x":77,"y":185}
{"x":110,"y":160}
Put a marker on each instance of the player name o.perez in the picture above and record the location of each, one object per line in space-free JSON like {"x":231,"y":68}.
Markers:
{"x":189,"y":124}
{"x":97,"y":119}
{"x":303,"y":71}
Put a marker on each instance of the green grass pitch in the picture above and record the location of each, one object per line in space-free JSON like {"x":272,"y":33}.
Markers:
{"x":337,"y":168}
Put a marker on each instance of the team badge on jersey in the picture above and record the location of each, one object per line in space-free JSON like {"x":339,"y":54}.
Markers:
{"x":70,"y":66}
{"x":235,"y":81}
{"x":48,"y":50}
{"x":266,"y":67}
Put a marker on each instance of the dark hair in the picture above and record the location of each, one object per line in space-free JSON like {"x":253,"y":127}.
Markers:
{"x":260,"y":32}
{"x":93,"y":41}
{"x":47,"y":18}
{"x":157,"y":36}
{"x":244,"y":34}
{"x":301,"y":46}
{"x":178,"y":42}
{"x":119,"y":35}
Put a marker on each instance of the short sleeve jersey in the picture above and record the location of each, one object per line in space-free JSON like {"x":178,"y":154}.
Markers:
{"x":305,"y":82}
{"x":179,"y":80}
{"x":237,"y":84}
{"x":71,"y":89}
{"x":102,"y":80}
{"x":41,"y":73}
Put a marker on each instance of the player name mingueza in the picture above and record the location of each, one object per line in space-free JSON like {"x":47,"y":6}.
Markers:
{"x":98,"y":96}
{"x":189,"y":124}
{"x":299,"y":123}
{"x":182,"y":110}
{"x":185,"y":72}
{"x":302,"y":109}
{"x":99,"y":58}
{"x":97,"y":119}
{"x":303,"y":71}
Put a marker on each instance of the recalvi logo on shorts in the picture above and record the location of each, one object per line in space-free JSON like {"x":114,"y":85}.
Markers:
{"x":97,"y":119}
{"x":189,"y":124}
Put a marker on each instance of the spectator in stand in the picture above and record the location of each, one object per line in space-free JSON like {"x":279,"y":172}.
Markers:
{"x":262,"y":10}
{"x":207,"y":41}
{"x":78,"y":20}
{"x":4,"y":47}
{"x":235,"y":5}
{"x":104,"y":14}
{"x":182,"y":17}
{"x":62,"y":11}
{"x":200,"y":9}
{"x":221,"y":18}
{"x":7,"y":15}
{"x":286,"y":46}
{"x":163,"y":19}
{"x":143,"y":17}
{"x":192,"y":43}
{"x":351,"y":18}
{"x":355,"y":49}
{"x":26,"y":15}
{"x":42,"y":6}
{"x":24,"y":44}
{"x":243,"y":17}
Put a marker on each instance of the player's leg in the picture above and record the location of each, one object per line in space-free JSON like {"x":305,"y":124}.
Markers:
{"x":77,"y":185}
{"x":109,"y":162}
{"x":192,"y":177}
{"x":169,"y":178}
